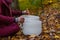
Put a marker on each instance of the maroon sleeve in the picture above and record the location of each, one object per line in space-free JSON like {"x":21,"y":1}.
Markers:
{"x":0,"y":6}
{"x":6,"y":19}
{"x":16,"y":12}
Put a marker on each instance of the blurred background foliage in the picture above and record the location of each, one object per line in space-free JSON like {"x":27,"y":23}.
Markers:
{"x":35,"y":5}
{"x":30,"y":4}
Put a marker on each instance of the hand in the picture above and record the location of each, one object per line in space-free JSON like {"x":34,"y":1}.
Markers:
{"x":21,"y":19}
{"x":26,"y":12}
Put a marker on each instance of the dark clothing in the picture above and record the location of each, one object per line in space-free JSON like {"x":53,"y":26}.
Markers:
{"x":7,"y":23}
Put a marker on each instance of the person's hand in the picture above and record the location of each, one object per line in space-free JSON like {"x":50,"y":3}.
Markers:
{"x":21,"y":19}
{"x":26,"y":12}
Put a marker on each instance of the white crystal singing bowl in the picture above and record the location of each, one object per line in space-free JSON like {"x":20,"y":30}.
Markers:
{"x":31,"y":25}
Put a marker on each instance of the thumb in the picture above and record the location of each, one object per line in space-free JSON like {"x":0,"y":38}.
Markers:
{"x":28,"y":12}
{"x":19,"y":18}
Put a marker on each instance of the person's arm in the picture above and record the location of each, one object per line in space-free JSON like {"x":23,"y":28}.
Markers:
{"x":20,"y":12}
{"x":6,"y":19}
{"x":16,"y":12}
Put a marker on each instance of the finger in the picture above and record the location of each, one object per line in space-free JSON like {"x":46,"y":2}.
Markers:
{"x":28,"y":13}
